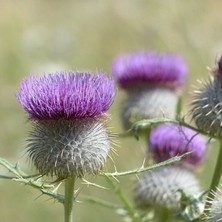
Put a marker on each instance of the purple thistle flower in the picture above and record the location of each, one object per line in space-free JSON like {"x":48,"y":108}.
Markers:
{"x":66,"y":95}
{"x":160,"y":186}
{"x":149,"y":77}
{"x":207,"y":104}
{"x":149,"y":68}
{"x":67,"y":111}
{"x":170,"y":140}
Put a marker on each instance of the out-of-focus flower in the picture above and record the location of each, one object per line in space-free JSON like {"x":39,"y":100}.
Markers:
{"x":67,"y":110}
{"x":170,"y":140}
{"x":153,"y":81}
{"x":149,"y":67}
{"x":161,"y":186}
{"x":207,"y":104}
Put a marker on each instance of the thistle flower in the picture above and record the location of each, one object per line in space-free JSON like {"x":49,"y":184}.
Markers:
{"x":67,"y":111}
{"x":153,"y":81}
{"x":160,"y":187}
{"x":170,"y":140}
{"x":215,"y":214}
{"x":207,"y":104}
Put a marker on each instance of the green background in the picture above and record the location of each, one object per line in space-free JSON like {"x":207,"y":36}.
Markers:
{"x":42,"y":36}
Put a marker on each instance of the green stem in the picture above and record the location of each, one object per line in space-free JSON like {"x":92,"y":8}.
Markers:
{"x":69,"y":197}
{"x":163,"y":214}
{"x":216,"y":179}
{"x":179,"y":107}
{"x":130,"y":210}
{"x":149,"y":123}
{"x":100,"y":202}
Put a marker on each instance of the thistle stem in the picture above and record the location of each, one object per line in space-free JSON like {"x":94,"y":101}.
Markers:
{"x":216,"y":178}
{"x":131,"y":211}
{"x":163,"y":214}
{"x":144,"y":169}
{"x":179,"y":107}
{"x":69,"y":197}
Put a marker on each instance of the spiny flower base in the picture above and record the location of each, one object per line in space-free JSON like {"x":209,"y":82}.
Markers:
{"x":207,"y":104}
{"x":149,"y":103}
{"x":160,"y":187}
{"x":64,"y":148}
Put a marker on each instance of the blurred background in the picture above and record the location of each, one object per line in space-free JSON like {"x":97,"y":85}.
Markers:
{"x":42,"y":36}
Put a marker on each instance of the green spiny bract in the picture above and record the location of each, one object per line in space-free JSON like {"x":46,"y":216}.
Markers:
{"x":207,"y":105}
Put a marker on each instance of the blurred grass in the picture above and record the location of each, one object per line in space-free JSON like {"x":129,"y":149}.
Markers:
{"x":41,"y":36}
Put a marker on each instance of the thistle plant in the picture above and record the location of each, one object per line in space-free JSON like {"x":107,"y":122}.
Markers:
{"x":148,"y":77}
{"x":69,"y":138}
{"x":161,"y":188}
{"x":206,"y":112}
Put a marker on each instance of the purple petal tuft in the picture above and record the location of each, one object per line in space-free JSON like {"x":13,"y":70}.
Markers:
{"x":66,"y":95}
{"x":170,"y":140}
{"x":150,"y":67}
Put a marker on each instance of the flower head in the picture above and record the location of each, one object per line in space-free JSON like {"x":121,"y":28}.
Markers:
{"x":67,"y":110}
{"x":160,"y":187}
{"x":149,"y":68}
{"x":170,"y":140}
{"x":149,"y":77}
{"x":66,"y":95}
{"x":207,"y":104}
